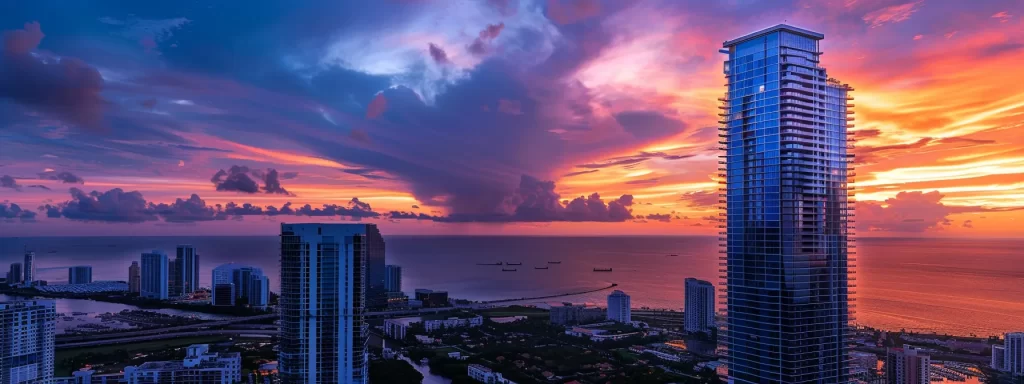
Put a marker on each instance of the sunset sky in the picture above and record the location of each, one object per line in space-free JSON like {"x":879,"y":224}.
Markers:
{"x":480,"y":117}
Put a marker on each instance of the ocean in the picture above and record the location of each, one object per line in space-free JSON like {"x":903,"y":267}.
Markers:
{"x":949,"y":286}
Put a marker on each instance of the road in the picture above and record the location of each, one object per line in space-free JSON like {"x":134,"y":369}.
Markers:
{"x":125,"y":340}
{"x":206,"y":324}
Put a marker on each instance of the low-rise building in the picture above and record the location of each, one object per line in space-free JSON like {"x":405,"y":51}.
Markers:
{"x":397,"y":328}
{"x":486,"y":375}
{"x":432,"y":298}
{"x":199,"y":366}
{"x":88,"y":376}
{"x":602,"y":331}
{"x":569,"y":314}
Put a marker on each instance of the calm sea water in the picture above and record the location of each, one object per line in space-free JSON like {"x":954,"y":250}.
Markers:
{"x":956,"y":286}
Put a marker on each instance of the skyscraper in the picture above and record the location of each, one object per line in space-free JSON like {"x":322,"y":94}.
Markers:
{"x":259,"y":291}
{"x":699,"y":309}
{"x":154,"y":275}
{"x":173,"y":289}
{"x":784,"y":133}
{"x":14,"y":275}
{"x":81,"y":274}
{"x":393,"y":278}
{"x":28,"y":328}
{"x":28,"y":273}
{"x":907,"y":365}
{"x":618,"y":307}
{"x":1013,"y":353}
{"x":241,"y":276}
{"x":376,"y":294}
{"x":187,"y":271}
{"x":323,"y":292}
{"x":134,"y":278}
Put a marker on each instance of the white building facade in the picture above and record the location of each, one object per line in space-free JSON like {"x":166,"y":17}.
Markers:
{"x":618,"y":307}
{"x":1013,"y":346}
{"x":323,"y":298}
{"x":28,"y":328}
{"x":199,"y":366}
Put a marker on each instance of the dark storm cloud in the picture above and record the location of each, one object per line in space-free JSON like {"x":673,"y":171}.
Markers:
{"x":536,"y":201}
{"x":438,"y":54}
{"x":115,"y":205}
{"x":235,"y":179}
{"x":118,"y":206}
{"x":648,"y":124}
{"x":355,"y":209}
{"x":479,"y":46}
{"x":65,"y":87}
{"x":662,"y":217}
{"x":10,"y":212}
{"x":188,"y":210}
{"x":289,"y":175}
{"x":6,"y":181}
{"x":64,"y":177}
{"x":240,"y":179}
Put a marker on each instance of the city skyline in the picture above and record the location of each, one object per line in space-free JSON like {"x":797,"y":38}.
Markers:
{"x":394,"y":137}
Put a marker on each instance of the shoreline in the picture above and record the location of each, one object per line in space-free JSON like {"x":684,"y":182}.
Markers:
{"x":139,"y":303}
{"x":241,"y":311}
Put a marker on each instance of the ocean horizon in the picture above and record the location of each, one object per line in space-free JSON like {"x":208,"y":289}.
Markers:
{"x":901,"y":282}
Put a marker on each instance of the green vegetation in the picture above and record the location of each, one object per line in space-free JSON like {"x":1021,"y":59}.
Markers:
{"x":394,"y":371}
{"x":111,"y":358}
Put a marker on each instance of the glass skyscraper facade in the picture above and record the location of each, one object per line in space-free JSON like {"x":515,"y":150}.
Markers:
{"x":787,"y":200}
{"x":323,"y":299}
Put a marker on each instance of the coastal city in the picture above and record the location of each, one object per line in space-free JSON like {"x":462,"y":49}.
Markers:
{"x":406,"y":338}
{"x":512,"y":192}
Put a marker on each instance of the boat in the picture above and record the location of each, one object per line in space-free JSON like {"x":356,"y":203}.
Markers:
{"x":540,"y":267}
{"x":602,"y":269}
{"x":508,"y":269}
{"x":554,"y":262}
{"x":79,"y":313}
{"x":673,"y":255}
{"x":519,"y":263}
{"x":498,"y":263}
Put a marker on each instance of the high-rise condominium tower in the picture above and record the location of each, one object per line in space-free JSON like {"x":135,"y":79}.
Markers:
{"x":14,"y":276}
{"x":1013,"y":353}
{"x":784,"y":132}
{"x":619,"y":307}
{"x":323,"y":296}
{"x":81,"y":274}
{"x":134,"y":278}
{"x":393,"y":278}
{"x":28,"y":328}
{"x":28,"y":273}
{"x":186,"y":273}
{"x":154,"y":275}
{"x":699,"y":308}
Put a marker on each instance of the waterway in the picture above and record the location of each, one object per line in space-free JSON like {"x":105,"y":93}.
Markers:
{"x":92,"y":309}
{"x":428,"y":378}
